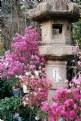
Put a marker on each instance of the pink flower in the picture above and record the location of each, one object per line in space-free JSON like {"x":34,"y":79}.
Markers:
{"x":45,"y":106}
{"x":78,"y":119}
{"x":72,"y":114}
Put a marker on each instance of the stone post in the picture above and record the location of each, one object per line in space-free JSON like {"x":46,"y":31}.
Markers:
{"x":56,"y":17}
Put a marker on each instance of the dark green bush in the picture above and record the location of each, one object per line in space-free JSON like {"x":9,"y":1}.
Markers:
{"x":5,"y":89}
{"x":8,"y":107}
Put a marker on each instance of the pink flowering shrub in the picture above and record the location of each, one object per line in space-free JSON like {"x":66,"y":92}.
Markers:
{"x":66,"y":103}
{"x":37,"y":91}
{"x":24,"y":49}
{"x":25,"y":63}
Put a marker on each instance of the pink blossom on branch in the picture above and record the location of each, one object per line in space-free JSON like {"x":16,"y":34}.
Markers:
{"x":25,"y":63}
{"x":67,"y":103}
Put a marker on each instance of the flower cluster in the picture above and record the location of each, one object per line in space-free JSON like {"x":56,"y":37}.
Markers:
{"x":25,"y":63}
{"x":67,"y":103}
{"x":24,"y":49}
{"x":36,"y":91}
{"x":35,"y":83}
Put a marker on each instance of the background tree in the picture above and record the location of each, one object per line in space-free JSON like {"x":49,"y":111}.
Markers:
{"x":15,"y":18}
{"x":77,"y":33}
{"x":77,"y":28}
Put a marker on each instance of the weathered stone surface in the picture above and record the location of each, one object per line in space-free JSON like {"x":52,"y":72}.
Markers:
{"x":56,"y":50}
{"x":48,"y":37}
{"x":55,"y":9}
{"x":56,"y":71}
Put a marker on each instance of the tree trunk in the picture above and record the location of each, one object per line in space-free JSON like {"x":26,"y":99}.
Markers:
{"x":18,"y":13}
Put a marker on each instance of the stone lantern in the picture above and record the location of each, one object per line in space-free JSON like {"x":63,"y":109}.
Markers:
{"x":56,"y":17}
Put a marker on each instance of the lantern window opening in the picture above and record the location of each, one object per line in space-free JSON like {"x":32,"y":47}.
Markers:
{"x":57,"y":28}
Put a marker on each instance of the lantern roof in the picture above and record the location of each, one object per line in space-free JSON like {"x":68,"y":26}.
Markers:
{"x":55,"y":9}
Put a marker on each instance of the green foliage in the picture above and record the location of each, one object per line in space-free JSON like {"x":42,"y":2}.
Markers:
{"x":8,"y":106}
{"x":77,"y":33}
{"x":29,"y":113}
{"x":1,"y":48}
{"x":12,"y":105}
{"x":6,"y":87}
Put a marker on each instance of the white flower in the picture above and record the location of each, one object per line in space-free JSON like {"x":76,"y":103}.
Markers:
{"x":32,"y":77}
{"x":6,"y":64}
{"x":27,"y":99}
{"x":37,"y":118}
{"x":1,"y":120}
{"x":39,"y":89}
{"x":28,"y":73}
{"x":35,"y":93}
{"x":20,"y":77}
{"x":25,"y":90}
{"x":16,"y":76}
{"x":36,"y":73}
